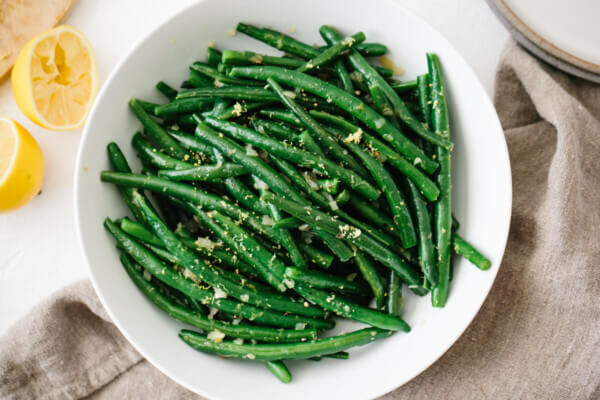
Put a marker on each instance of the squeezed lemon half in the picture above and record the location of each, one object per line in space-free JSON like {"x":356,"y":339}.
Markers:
{"x":54,"y":79}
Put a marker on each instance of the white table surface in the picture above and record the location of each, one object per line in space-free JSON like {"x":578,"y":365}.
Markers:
{"x":38,"y":248}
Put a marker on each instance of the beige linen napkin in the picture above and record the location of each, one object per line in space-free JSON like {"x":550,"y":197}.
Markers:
{"x":537,"y":336}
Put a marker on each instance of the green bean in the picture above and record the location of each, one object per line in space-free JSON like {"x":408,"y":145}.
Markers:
{"x":280,"y":371}
{"x":172,"y":294}
{"x":182,"y":106}
{"x":166,"y":142}
{"x":372,"y":49}
{"x":245,"y":196}
{"x":165,"y":274}
{"x":274,"y":352}
{"x":281,"y":115}
{"x":198,"y":80}
{"x":155,"y":157}
{"x":220,"y":107}
{"x":205,"y":173}
{"x":294,"y":155}
{"x":395,"y":198}
{"x":465,"y":249}
{"x":188,"y":193}
{"x":369,"y":272}
{"x":292,"y":46}
{"x":337,"y":247}
{"x":363,"y":241}
{"x":236,"y":153}
{"x":166,"y":90}
{"x":330,"y":301}
{"x":195,"y":146}
{"x":210,"y":276}
{"x":306,"y":141}
{"x":402,"y":87}
{"x":218,"y":78}
{"x":360,"y":84}
{"x":343,"y":197}
{"x":161,"y":253}
{"x":443,"y":207}
{"x":331,"y":186}
{"x":274,"y":129}
{"x":381,"y":103}
{"x":340,"y":355}
{"x":183,"y":232}
{"x":297,"y":179}
{"x":321,"y":280}
{"x":232,"y":57}
{"x":285,"y":237}
{"x":383,"y":71}
{"x":312,"y":102}
{"x":424,"y":98}
{"x":186,"y":120}
{"x":288,"y":223}
{"x":166,"y":210}
{"x":374,"y":78}
{"x":278,"y":40}
{"x":119,"y":163}
{"x":228,"y":92}
{"x":332,"y":52}
{"x":244,"y":274}
{"x":238,"y":109}
{"x":345,"y":101}
{"x":213,"y":56}
{"x":226,"y":259}
{"x":426,"y":185}
{"x":316,"y":256}
{"x":426,"y":250}
{"x":208,"y":325}
{"x":149,"y":107}
{"x":424,"y":101}
{"x":394,"y":301}
{"x":326,"y":141}
{"x":346,"y":81}
{"x":223,"y":69}
{"x":147,"y":167}
{"x":139,"y":231}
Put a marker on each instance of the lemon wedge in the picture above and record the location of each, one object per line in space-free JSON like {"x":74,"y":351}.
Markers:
{"x":54,"y":79}
{"x":21,"y":165}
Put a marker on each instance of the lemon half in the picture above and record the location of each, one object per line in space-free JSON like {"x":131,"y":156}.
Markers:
{"x":54,"y":79}
{"x":21,"y":165}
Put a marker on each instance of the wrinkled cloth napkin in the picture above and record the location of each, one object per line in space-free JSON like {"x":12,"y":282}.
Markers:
{"x":537,"y":335}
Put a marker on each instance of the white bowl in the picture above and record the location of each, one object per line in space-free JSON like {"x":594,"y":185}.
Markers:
{"x":482,"y":198}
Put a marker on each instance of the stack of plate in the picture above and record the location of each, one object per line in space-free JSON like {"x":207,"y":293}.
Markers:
{"x":563,"y":33}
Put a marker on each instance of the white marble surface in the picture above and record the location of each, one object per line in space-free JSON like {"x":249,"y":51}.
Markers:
{"x":38,"y":248}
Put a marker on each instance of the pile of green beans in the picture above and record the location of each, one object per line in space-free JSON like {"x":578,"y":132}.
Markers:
{"x":279,"y":192}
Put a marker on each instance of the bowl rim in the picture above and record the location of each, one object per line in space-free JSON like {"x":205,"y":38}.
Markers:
{"x":79,"y":173}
